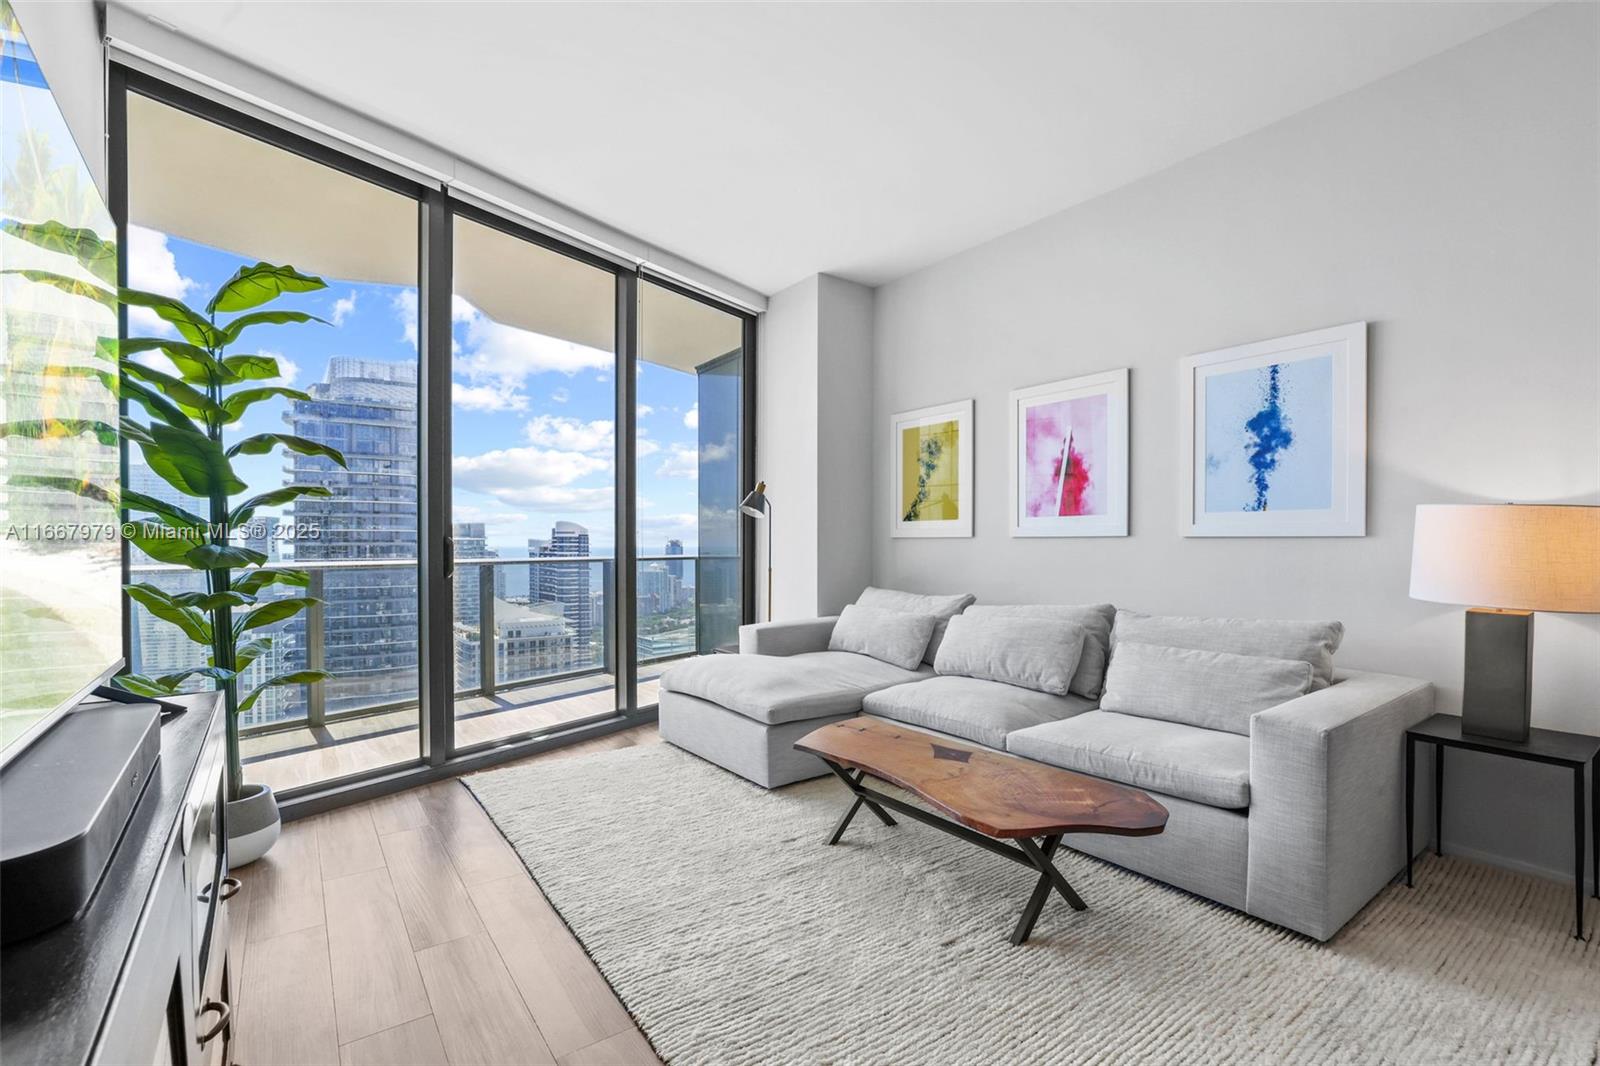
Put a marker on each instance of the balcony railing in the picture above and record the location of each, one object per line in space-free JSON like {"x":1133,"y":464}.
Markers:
{"x":669,"y":623}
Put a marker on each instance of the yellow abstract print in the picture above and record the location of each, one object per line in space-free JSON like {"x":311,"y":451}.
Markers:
{"x":930,"y":482}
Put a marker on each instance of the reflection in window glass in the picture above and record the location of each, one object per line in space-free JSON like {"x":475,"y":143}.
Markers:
{"x":690,"y":393}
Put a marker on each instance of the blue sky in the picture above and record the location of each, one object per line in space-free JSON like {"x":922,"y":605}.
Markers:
{"x":533,"y":416}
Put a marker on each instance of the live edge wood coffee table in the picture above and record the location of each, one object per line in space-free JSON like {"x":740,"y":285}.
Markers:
{"x":991,"y":798}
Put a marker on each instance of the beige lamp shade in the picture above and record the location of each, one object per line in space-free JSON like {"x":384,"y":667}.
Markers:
{"x":1529,"y":557}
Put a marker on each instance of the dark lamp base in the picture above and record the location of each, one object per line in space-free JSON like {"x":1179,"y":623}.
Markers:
{"x":1496,"y":696}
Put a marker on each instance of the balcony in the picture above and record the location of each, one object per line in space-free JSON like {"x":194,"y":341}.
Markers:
{"x":550,"y":665}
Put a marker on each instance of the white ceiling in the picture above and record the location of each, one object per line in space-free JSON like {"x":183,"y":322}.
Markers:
{"x":769,"y":142}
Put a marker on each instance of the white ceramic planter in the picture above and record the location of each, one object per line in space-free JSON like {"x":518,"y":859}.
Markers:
{"x":253,"y":825}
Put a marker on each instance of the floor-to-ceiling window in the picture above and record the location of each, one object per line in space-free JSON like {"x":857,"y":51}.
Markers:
{"x":556,"y":359}
{"x":533,"y":485}
{"x":691,"y":477}
{"x":204,"y":200}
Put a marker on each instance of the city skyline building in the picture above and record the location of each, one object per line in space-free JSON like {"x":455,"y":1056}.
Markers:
{"x":568,"y":585}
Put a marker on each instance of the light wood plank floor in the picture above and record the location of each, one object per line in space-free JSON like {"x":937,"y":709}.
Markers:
{"x":404,"y":931}
{"x":294,"y":757}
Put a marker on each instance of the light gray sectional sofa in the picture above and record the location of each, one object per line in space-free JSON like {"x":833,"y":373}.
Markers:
{"x":1283,"y":778}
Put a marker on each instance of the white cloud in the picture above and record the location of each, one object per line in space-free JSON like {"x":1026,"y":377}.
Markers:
{"x":663,"y":526}
{"x":404,"y":305}
{"x":153,"y":268}
{"x":716,"y":453}
{"x":288,"y":369}
{"x":466,"y":512}
{"x":692,"y":417}
{"x":572,"y":434}
{"x":560,"y":395}
{"x":643,"y":447}
{"x":645,"y":409}
{"x":490,"y":350}
{"x":681,"y":461}
{"x":526,"y":476}
{"x":485,"y":398}
{"x":344,"y":307}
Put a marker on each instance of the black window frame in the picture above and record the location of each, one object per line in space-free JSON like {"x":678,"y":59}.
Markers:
{"x":439,"y":757}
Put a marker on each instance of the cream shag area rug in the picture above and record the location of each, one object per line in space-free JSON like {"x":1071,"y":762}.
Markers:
{"x":735,"y":936}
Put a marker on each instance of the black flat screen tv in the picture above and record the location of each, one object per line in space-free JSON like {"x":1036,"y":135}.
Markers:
{"x":60,"y":552}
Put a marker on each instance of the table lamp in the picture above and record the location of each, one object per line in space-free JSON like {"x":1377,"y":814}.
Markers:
{"x":756,"y":505}
{"x":1507,"y":560}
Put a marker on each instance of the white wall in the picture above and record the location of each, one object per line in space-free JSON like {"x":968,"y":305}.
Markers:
{"x":813,"y":423}
{"x":65,"y":37}
{"x":1453,"y":206}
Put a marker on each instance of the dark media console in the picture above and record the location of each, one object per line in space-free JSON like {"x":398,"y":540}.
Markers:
{"x":141,"y":974}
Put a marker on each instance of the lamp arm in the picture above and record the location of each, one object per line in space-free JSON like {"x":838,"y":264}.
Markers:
{"x":769,"y":559}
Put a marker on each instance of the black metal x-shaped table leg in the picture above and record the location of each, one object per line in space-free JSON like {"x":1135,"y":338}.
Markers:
{"x":854,"y":785}
{"x":1033,"y":855}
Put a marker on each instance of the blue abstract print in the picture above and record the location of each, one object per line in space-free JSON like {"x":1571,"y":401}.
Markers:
{"x":1269,"y":437}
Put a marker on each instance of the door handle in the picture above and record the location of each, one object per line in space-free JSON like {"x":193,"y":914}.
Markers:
{"x":449,"y":557}
{"x":224,"y":1015}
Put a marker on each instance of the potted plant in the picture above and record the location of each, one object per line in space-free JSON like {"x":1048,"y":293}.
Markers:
{"x":183,"y":442}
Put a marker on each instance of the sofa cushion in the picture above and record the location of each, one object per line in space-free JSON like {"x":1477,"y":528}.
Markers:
{"x":1209,"y":689}
{"x":1036,"y":653}
{"x":972,"y":709}
{"x":788,"y":688}
{"x":1203,"y":765}
{"x":888,"y":636}
{"x":1095,"y":618}
{"x":943,"y":608}
{"x":1310,"y":642}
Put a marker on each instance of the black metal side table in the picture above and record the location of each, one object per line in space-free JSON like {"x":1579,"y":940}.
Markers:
{"x":1576,"y":751}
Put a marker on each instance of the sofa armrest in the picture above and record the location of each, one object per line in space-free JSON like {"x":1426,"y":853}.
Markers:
{"x":786,"y":638}
{"x":1327,"y":803}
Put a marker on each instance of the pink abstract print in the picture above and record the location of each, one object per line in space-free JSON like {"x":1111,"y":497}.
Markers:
{"x":1066,"y":454}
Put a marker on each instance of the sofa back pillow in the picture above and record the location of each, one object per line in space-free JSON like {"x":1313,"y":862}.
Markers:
{"x":1310,"y":642}
{"x":1037,"y":653}
{"x":943,"y":608}
{"x":1209,"y":689}
{"x":1095,"y":618}
{"x":888,"y":636}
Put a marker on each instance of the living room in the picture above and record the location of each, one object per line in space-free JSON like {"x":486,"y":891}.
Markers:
{"x":589,"y":540}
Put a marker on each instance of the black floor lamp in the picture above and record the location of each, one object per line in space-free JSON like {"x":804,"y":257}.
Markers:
{"x":756,"y":505}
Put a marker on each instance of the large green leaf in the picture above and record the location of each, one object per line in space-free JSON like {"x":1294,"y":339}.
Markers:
{"x":97,"y":256}
{"x":211,"y":601}
{"x":242,"y":513}
{"x":51,"y":428}
{"x":164,"y":544}
{"x":236,"y":405}
{"x":248,"y":651}
{"x":170,"y":513}
{"x":191,"y":462}
{"x":253,"y":367}
{"x":194,"y":363}
{"x":140,"y":685}
{"x":158,"y":406}
{"x":273,"y":611}
{"x":299,"y":677}
{"x":77,"y":486}
{"x":216,"y":673}
{"x":230,"y":333}
{"x":252,"y":286}
{"x":223,"y":557}
{"x":193,"y":325}
{"x":256,"y":580}
{"x":159,"y":603}
{"x":74,"y":286}
{"x":262,"y":443}
{"x":189,"y":399}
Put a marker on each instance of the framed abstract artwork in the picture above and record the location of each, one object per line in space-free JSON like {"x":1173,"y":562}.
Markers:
{"x":1069,"y":457}
{"x":931,"y":456}
{"x":1275,"y":437}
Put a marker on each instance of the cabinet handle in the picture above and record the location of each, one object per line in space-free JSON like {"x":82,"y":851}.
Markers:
{"x":230,"y":888}
{"x":224,"y":1015}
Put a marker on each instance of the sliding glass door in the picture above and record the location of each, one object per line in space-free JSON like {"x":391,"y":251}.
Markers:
{"x":544,"y":450}
{"x":533,"y":496}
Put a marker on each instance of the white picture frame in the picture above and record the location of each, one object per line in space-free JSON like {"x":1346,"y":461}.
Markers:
{"x":1108,"y":468}
{"x":959,"y":413}
{"x":1312,"y":388}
